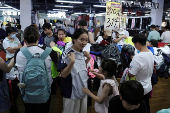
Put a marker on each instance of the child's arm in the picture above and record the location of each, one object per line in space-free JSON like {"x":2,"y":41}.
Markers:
{"x":100,"y":76}
{"x":102,"y":97}
{"x":66,"y":71}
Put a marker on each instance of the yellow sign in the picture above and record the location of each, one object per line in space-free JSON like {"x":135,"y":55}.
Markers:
{"x":113,"y":13}
{"x":123,"y":21}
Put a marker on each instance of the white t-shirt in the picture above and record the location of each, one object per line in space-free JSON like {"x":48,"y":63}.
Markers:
{"x":126,"y":33}
{"x":7,"y":43}
{"x":165,"y":37}
{"x":21,"y":61}
{"x":99,"y":39}
{"x":142,"y":67}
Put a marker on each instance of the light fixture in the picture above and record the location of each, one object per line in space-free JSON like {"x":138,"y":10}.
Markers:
{"x":59,"y":15}
{"x":60,"y":9}
{"x":75,"y":2}
{"x":5,"y":7}
{"x":99,"y":6}
{"x":101,"y":13}
{"x":63,"y":6}
{"x":79,"y":13}
{"x":125,"y":12}
{"x":98,"y":15}
{"x":147,"y":14}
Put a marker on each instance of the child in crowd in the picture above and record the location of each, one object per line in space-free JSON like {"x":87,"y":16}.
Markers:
{"x":152,"y":43}
{"x":108,"y":87}
{"x":130,"y":99}
{"x":72,"y":66}
{"x":61,"y":33}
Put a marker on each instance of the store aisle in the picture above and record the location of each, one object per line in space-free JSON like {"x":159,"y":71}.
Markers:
{"x":160,"y":99}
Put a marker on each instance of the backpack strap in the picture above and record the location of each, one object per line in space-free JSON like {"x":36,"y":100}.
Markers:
{"x":26,"y":52}
{"x":46,"y":52}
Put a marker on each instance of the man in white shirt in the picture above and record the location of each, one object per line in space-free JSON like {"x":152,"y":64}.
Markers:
{"x":142,"y":66}
{"x":165,"y":37}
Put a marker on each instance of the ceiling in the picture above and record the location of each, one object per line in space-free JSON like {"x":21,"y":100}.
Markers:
{"x":43,"y":6}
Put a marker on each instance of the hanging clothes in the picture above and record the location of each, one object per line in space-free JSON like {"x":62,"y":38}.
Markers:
{"x":133,"y":23}
{"x":129,"y":23}
{"x":137,"y":23}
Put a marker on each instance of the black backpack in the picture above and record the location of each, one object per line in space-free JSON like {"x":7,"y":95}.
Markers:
{"x":111,"y":51}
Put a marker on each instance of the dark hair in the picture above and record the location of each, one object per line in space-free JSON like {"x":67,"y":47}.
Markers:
{"x":166,"y":27}
{"x":1,"y":25}
{"x":140,"y":38}
{"x":61,"y":30}
{"x":18,"y":26}
{"x":110,"y":66}
{"x":154,"y":43}
{"x":78,"y":32}
{"x":9,"y":25}
{"x":46,"y":26}
{"x":101,"y":33}
{"x":132,"y":92}
{"x":9,"y":30}
{"x":31,"y":34}
{"x":83,"y":23}
{"x":153,"y":26}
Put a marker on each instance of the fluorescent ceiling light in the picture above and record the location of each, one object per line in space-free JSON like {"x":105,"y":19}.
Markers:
{"x":101,"y":13}
{"x":98,"y":15}
{"x":99,"y":6}
{"x":147,"y":11}
{"x":63,"y":6}
{"x":60,"y":9}
{"x":75,"y":2}
{"x":147,"y":14}
{"x":5,"y":7}
{"x":8,"y":6}
{"x":79,"y":13}
{"x":125,"y":12}
{"x":128,"y":1}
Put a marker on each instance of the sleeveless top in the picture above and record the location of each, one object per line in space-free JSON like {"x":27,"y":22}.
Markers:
{"x":103,"y":108}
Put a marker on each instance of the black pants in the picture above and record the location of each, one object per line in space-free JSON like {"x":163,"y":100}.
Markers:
{"x":38,"y":108}
{"x":13,"y":91}
{"x":146,"y":99}
{"x":56,"y":84}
